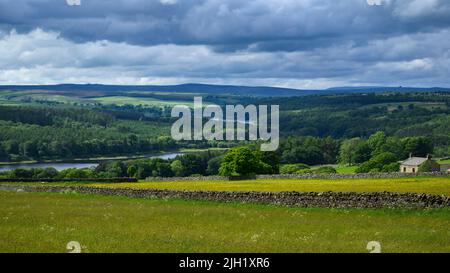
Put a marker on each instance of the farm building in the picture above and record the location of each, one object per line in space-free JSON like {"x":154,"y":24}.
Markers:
{"x":445,"y":167}
{"x":412,"y":164}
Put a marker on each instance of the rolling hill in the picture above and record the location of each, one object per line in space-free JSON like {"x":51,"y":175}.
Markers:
{"x":217,"y":89}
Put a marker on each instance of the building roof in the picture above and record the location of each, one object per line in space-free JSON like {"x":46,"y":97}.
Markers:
{"x":414,"y":161}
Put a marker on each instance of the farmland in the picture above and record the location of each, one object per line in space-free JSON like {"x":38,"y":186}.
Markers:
{"x":435,"y":185}
{"x":122,"y":100}
{"x":429,"y":185}
{"x":43,"y":222}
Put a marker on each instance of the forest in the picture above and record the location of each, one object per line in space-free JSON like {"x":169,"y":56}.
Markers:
{"x":353,"y":129}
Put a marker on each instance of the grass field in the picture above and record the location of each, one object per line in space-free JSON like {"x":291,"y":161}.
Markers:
{"x":46,"y":222}
{"x":121,"y":100}
{"x":346,"y":169}
{"x":431,"y":185}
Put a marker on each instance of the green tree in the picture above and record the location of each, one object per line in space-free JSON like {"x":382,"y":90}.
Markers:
{"x":193,"y":164}
{"x":391,"y":168}
{"x":242,"y":161}
{"x":22,"y":173}
{"x":376,"y":142}
{"x":426,"y":167}
{"x":162,"y":170}
{"x":132,"y":171}
{"x":214,"y":165}
{"x":76,"y":173}
{"x":419,"y":146}
{"x":30,"y":149}
{"x":272,"y":159}
{"x":361,"y":152}
{"x":353,"y":151}
{"x":379,"y":163}
{"x":3,"y":154}
{"x":325,"y":170}
{"x":11,"y":147}
{"x":177,"y":168}
{"x":144,"y":171}
{"x":48,"y":173}
{"x":293,"y":168}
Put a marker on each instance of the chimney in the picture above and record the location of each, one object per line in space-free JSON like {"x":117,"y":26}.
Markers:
{"x":410,"y":155}
{"x":428,"y":156}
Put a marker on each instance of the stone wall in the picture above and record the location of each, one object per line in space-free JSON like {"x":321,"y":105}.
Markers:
{"x":189,"y":178}
{"x":352,"y":176}
{"x":100,"y":180}
{"x":304,"y":176}
{"x":298,"y":199}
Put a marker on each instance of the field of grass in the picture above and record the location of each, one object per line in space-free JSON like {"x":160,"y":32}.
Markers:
{"x":193,"y":150}
{"x":445,"y":161}
{"x":46,"y":222}
{"x":394,"y":105}
{"x":346,"y":169}
{"x":28,"y":97}
{"x":431,"y":185}
{"x":121,"y":100}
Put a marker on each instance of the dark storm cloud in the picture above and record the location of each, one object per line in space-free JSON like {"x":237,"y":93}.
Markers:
{"x":268,"y":25}
{"x":297,"y":43}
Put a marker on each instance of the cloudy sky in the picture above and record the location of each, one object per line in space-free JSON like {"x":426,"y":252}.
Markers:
{"x":290,"y":43}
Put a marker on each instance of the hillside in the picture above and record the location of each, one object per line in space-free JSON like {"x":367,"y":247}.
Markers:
{"x":217,"y":89}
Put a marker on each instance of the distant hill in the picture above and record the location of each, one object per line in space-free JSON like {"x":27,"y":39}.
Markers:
{"x":377,"y":89}
{"x":218,"y":89}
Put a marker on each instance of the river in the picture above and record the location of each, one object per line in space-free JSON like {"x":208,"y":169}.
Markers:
{"x":67,"y":165}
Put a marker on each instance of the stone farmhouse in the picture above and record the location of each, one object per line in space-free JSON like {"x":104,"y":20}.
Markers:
{"x":412,"y":165}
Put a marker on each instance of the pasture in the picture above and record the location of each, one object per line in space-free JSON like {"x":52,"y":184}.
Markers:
{"x":122,"y":100}
{"x":430,"y":185}
{"x":46,"y":222}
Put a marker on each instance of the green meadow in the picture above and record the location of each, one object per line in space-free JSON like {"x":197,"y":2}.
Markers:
{"x":430,"y":185}
{"x":46,"y":222}
{"x":122,"y":100}
{"x":346,"y":169}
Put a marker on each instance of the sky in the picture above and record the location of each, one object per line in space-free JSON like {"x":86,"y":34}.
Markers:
{"x":305,"y":44}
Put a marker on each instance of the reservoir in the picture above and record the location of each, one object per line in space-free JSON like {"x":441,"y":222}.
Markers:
{"x":68,"y":165}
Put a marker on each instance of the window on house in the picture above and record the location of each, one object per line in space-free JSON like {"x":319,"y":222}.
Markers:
{"x":414,"y":170}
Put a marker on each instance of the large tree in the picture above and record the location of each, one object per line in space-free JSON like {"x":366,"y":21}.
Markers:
{"x":419,"y":146}
{"x":354,"y":151}
{"x":242,"y":161}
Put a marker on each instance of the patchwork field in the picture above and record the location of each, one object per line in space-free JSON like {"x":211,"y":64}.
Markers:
{"x":44,"y":222}
{"x":431,"y":185}
{"x":122,"y":100}
{"x":68,"y":98}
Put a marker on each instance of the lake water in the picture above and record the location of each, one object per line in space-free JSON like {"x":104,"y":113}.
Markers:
{"x":62,"y":166}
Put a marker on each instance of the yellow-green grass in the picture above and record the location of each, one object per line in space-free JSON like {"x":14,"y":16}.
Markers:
{"x":445,"y":161}
{"x":121,"y":100}
{"x":431,"y":185}
{"x":195,"y":150}
{"x":46,"y":222}
{"x":346,"y":169}
{"x":49,"y":97}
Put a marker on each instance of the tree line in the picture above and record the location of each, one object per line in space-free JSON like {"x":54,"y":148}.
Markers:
{"x":378,"y":153}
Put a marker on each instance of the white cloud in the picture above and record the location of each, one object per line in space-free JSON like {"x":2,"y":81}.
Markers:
{"x":413,"y":8}
{"x":43,"y":57}
{"x":168,"y":2}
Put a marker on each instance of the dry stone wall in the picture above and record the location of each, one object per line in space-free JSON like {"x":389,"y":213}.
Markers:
{"x":298,"y":199}
{"x":303,"y":176}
